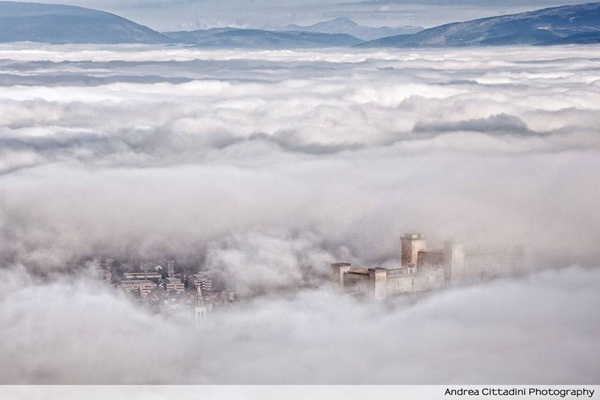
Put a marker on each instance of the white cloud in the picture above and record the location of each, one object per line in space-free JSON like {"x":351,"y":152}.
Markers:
{"x":531,"y":331}
{"x":270,"y":165}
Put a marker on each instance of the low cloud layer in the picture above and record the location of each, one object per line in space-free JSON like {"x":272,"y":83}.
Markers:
{"x":535,"y":330}
{"x":353,"y":148}
{"x":268,"y":166}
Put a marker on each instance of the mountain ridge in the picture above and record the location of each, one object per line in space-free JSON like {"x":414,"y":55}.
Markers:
{"x":61,"y":24}
{"x":539,"y":27}
{"x":259,"y":38}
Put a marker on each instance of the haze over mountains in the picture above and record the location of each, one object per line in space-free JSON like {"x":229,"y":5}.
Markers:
{"x":349,"y":27}
{"x":258,"y":38}
{"x":59,"y":24}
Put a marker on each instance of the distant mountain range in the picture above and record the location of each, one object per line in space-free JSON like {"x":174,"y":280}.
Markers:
{"x":51,"y":23}
{"x":257,"y":38}
{"x":557,"y":25}
{"x":347,"y":26}
{"x":47,"y":23}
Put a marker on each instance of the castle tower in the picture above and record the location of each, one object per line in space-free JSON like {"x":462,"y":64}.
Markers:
{"x":378,"y":280}
{"x":454,"y":255}
{"x":337,"y":272}
{"x":412,"y":243}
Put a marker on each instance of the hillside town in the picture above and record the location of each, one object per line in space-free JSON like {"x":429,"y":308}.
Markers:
{"x":156,"y":285}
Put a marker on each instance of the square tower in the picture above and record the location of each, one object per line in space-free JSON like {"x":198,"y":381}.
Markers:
{"x":412,"y":243}
{"x":337,"y":272}
{"x":455,"y":261}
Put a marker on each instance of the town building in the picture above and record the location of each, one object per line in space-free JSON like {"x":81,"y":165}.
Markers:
{"x":172,"y":284}
{"x":203,"y":280}
{"x":146,"y":275}
{"x":168,"y":293}
{"x":136,"y":286}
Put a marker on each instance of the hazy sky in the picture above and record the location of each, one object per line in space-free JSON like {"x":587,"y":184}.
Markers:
{"x":194,"y":14}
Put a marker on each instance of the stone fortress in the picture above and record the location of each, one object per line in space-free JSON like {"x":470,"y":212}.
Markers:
{"x":422,"y":269}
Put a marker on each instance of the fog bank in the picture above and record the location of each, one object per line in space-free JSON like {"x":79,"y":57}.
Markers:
{"x":267,"y":167}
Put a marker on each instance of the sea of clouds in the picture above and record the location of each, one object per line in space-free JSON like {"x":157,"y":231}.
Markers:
{"x":269,"y":165}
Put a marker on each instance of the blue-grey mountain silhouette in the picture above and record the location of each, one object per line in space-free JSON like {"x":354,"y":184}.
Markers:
{"x":257,"y":38}
{"x":52,"y":23}
{"x":580,"y":23}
